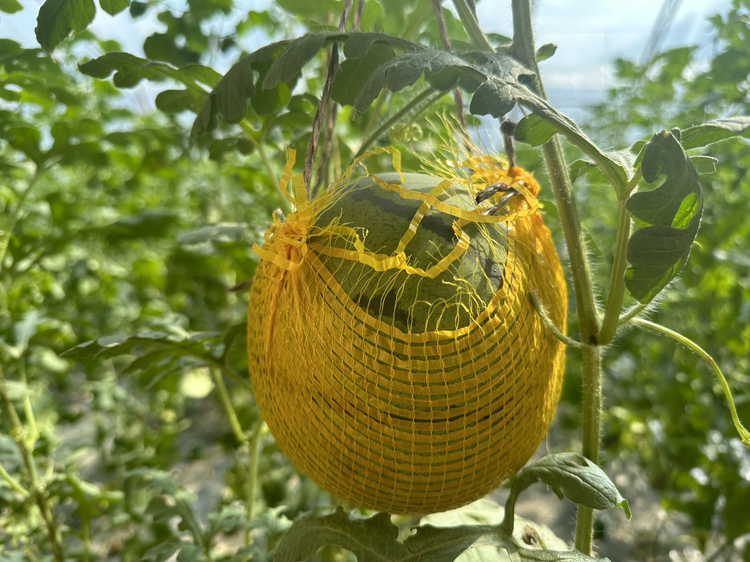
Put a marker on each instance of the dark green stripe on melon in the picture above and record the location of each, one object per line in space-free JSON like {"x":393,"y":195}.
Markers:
{"x":414,"y":303}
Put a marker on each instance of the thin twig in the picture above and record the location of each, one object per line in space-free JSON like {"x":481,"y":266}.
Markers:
{"x":457,"y":99}
{"x":333,"y":65}
{"x":325,"y":154}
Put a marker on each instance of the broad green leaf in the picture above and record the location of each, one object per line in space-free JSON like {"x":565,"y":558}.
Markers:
{"x":175,"y":101}
{"x":545,"y":51}
{"x":715,"y":131}
{"x":354,"y":72}
{"x":375,"y":539}
{"x":359,"y":44}
{"x":534,"y":130}
{"x":162,"y":47}
{"x":59,"y":18}
{"x":288,"y":64}
{"x":10,"y":6}
{"x":230,"y":96}
{"x":497,"y":96}
{"x":219,"y":147}
{"x":113,"y":7}
{"x":575,"y":477}
{"x":658,"y":252}
{"x":270,"y":101}
{"x":25,"y":138}
{"x":442,"y":69}
{"x":130,"y":70}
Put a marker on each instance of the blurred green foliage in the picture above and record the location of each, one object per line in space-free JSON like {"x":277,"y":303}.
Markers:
{"x":112,"y":224}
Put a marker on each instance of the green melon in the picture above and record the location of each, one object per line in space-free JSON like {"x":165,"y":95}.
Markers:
{"x":412,"y":303}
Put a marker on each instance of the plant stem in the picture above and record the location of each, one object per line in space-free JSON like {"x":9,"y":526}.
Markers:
{"x":471,"y":26}
{"x":252,"y":474}
{"x":550,"y":325}
{"x":631,"y":313}
{"x":13,"y":483}
{"x":227,"y":405}
{"x":36,"y":490}
{"x":27,"y":409}
{"x":698,"y":350}
{"x":266,"y":164}
{"x":588,"y":317}
{"x":399,"y":115}
{"x":619,"y":264}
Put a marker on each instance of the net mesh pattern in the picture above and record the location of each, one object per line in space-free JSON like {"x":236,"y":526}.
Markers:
{"x":393,"y":348}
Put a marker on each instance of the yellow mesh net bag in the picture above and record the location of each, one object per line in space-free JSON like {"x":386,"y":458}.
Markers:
{"x":393,"y":347}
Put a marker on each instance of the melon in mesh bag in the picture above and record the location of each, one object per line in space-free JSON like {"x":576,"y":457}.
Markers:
{"x":393,"y":346}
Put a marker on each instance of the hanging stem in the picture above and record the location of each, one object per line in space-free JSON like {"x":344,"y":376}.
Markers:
{"x":333,"y":66}
{"x":588,"y":317}
{"x":414,"y":102}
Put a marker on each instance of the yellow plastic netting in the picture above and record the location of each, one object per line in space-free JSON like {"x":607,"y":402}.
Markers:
{"x":393,"y":347}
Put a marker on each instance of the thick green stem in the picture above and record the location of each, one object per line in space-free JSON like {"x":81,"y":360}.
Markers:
{"x":252,"y":473}
{"x":588,"y":317}
{"x":617,"y":279}
{"x":36,"y":490}
{"x":619,"y":264}
{"x":399,"y":115}
{"x":471,"y":26}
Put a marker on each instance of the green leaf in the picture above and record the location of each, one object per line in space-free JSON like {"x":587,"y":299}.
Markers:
{"x":175,"y":101}
{"x":130,"y":70}
{"x":10,"y":6}
{"x":162,"y":47}
{"x":442,"y":69}
{"x":715,"y":131}
{"x":219,"y":147}
{"x":545,"y":51}
{"x":534,"y":130}
{"x":59,"y":18}
{"x":658,"y":252}
{"x":577,"y":478}
{"x":307,"y":9}
{"x":354,"y":72}
{"x":498,"y":95}
{"x":704,"y":164}
{"x":107,"y":347}
{"x":113,"y":7}
{"x":233,"y":91}
{"x":25,"y":139}
{"x":376,"y":540}
{"x":294,"y":56}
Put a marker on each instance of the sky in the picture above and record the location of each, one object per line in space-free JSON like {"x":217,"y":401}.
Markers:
{"x":590,"y":35}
